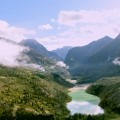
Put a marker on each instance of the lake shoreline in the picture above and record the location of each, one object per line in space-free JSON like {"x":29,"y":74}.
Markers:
{"x":79,"y":87}
{"x":82,"y":102}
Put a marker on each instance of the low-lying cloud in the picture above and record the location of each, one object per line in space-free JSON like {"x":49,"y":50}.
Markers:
{"x":34,"y":66}
{"x":13,"y":55}
{"x":116,"y":61}
{"x":10,"y":52}
{"x":62,"y":64}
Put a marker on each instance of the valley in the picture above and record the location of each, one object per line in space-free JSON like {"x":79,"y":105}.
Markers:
{"x":59,"y":59}
{"x":39,"y":85}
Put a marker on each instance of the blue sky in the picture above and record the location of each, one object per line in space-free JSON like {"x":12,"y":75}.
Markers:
{"x":58,"y":23}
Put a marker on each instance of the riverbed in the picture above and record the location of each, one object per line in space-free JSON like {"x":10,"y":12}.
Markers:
{"x":83,"y":102}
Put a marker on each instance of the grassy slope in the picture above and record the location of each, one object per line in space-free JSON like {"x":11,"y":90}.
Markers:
{"x":47,"y":63}
{"x":27,"y":91}
{"x":108,"y":89}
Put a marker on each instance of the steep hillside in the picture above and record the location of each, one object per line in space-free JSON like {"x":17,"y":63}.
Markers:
{"x":105,"y":63}
{"x":93,"y":72}
{"x":62,"y":52}
{"x":108,"y":54}
{"x":47,"y":64}
{"x":40,"y":49}
{"x":108,"y":89}
{"x":27,"y":94}
{"x":34,"y":57}
{"x":78,"y":56}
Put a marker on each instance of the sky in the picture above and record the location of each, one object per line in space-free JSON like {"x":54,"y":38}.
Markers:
{"x":58,"y":23}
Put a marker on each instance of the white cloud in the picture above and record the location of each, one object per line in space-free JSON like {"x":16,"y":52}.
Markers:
{"x":45,"y":27}
{"x":14,"y":33}
{"x":116,"y":61}
{"x":9,"y":53}
{"x":61,"y":64}
{"x":78,"y":28}
{"x":34,"y":66}
{"x":72,"y":18}
{"x":74,"y":28}
{"x":79,"y":107}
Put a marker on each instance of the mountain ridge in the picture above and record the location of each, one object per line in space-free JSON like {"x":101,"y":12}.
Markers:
{"x":78,"y":56}
{"x":62,"y":52}
{"x":36,"y":46}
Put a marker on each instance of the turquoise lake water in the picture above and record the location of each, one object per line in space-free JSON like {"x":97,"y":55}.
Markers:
{"x":84,"y":103}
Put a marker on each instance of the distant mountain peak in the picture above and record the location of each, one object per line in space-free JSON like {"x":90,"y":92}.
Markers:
{"x":40,"y":49}
{"x":62,"y":52}
{"x":33,"y":44}
{"x":106,"y":37}
{"x":31,"y":41}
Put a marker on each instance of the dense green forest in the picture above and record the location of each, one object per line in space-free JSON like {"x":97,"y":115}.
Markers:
{"x":30,"y":94}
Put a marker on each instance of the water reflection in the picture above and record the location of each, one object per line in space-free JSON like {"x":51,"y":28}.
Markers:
{"x":84,"y":108}
{"x":84,"y":103}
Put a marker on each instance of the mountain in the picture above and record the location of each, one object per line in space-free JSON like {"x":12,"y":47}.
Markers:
{"x":106,"y":62}
{"x":78,"y":56}
{"x":36,"y":46}
{"x":62,"y":52}
{"x":103,"y":63}
{"x":39,"y":55}
{"x":109,"y":53}
{"x":33,"y":86}
{"x":19,"y":55}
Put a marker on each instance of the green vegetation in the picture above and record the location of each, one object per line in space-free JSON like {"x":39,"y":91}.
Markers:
{"x":86,"y":117}
{"x":92,"y":73}
{"x":48,"y":64}
{"x":111,"y":116}
{"x":30,"y":94}
{"x":108,"y":89}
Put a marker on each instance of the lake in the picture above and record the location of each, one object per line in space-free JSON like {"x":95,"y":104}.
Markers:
{"x":83,"y":102}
